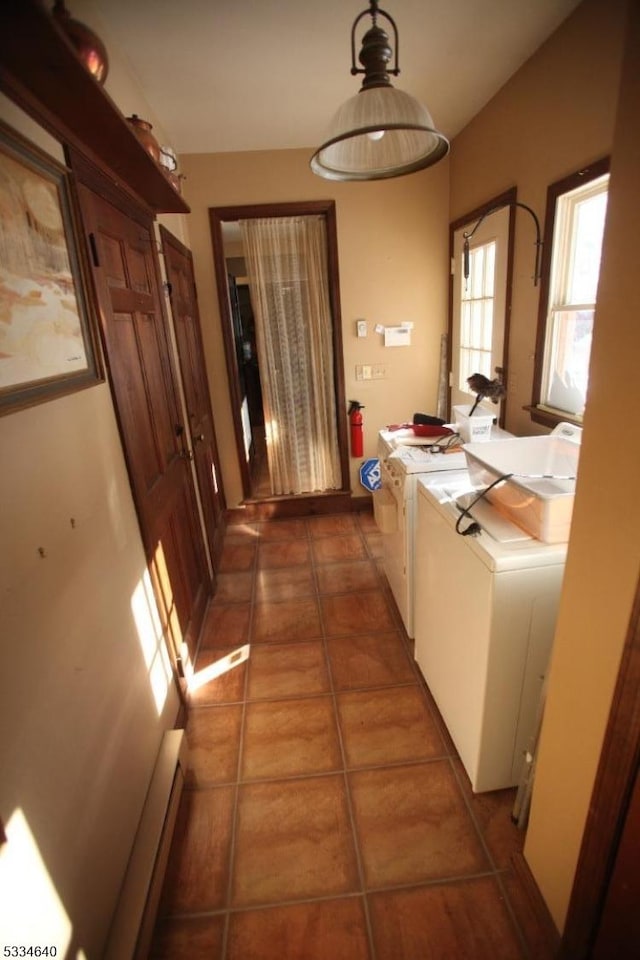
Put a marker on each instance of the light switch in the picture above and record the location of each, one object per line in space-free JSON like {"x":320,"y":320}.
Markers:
{"x":361,"y":326}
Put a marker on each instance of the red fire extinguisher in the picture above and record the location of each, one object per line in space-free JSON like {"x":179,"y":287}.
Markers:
{"x":357,"y":432}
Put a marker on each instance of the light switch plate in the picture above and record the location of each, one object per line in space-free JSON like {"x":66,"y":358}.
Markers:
{"x":361,"y":326}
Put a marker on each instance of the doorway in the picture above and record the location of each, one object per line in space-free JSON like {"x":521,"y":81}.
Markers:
{"x":283,"y":349}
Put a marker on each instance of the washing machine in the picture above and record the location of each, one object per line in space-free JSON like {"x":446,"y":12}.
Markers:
{"x":485,"y":615}
{"x":403,"y":459}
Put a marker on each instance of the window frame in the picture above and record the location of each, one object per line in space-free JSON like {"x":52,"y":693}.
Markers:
{"x":538,"y":411}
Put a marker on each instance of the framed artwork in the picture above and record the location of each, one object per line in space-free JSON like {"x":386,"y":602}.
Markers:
{"x":47,"y":342}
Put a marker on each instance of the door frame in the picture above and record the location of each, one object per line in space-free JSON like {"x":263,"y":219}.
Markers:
{"x":326,"y":208}
{"x":505,"y":199}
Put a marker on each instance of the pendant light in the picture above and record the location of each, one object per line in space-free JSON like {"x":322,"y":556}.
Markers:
{"x":380,"y":132}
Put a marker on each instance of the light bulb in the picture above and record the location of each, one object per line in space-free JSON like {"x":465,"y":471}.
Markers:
{"x":376,"y":135}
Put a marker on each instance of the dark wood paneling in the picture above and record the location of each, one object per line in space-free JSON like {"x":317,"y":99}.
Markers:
{"x":136,"y":340}
{"x":40,"y":70}
{"x":186,"y":319}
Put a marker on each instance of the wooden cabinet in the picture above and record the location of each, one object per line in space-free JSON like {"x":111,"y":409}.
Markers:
{"x":41,"y":71}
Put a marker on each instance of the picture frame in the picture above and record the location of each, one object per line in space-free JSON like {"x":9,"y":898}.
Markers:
{"x":48,"y":345}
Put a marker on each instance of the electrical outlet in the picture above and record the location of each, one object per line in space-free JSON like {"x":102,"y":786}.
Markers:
{"x":378,"y":371}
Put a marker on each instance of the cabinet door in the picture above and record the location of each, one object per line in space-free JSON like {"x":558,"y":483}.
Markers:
{"x":145,"y":395}
{"x":186,"y":319}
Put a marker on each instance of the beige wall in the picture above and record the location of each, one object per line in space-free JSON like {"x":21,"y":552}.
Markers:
{"x":80,"y":727}
{"x":392,"y":250}
{"x":604,"y":559}
{"x":555,"y":115}
{"x":76,"y":701}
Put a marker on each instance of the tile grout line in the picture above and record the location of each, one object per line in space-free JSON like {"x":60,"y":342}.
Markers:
{"x":236,"y":798}
{"x":347,"y":789}
{"x":329,"y":897}
{"x":228,"y":910}
{"x":495,"y":871}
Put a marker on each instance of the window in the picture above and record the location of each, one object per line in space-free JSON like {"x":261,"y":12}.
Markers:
{"x":576,"y":211}
{"x":476,"y":316}
{"x":479,"y":306}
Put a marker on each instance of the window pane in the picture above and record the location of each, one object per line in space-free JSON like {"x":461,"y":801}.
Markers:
{"x":568,"y":369}
{"x":476,"y":323}
{"x":477,"y":271}
{"x":487,"y":325}
{"x":566,"y":320}
{"x":476,"y":315}
{"x":585,"y":267}
{"x":490,"y":269}
{"x":465,"y":324}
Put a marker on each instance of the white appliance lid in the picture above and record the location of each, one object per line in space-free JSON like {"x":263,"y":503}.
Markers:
{"x":414,"y":459}
{"x":502,"y":545}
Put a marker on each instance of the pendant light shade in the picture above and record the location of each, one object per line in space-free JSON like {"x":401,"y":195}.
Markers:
{"x":380,"y":132}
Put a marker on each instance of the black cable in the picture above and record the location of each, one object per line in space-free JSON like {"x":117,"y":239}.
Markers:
{"x":440,"y":446}
{"x":474,"y":527}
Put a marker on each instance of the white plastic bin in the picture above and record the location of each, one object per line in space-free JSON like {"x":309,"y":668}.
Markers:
{"x":474,"y":429}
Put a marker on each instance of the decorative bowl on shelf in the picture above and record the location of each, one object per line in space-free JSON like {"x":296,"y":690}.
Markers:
{"x":142,"y":129}
{"x":88,"y":45}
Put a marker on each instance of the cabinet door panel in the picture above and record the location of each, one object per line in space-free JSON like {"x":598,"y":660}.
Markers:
{"x":184,"y":305}
{"x":146,"y":400}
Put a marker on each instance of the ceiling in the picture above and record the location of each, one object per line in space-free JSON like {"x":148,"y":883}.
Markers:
{"x":268,"y":74}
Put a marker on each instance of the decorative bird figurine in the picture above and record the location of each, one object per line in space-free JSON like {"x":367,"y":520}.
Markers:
{"x":483,"y":388}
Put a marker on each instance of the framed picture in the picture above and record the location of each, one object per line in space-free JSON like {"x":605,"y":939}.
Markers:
{"x":47,"y":342}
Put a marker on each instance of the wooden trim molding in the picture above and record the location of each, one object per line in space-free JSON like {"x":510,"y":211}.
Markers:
{"x":41,"y":71}
{"x":279,"y":508}
{"x":547,"y":934}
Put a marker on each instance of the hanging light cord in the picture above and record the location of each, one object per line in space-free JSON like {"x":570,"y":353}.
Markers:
{"x":501,"y":206}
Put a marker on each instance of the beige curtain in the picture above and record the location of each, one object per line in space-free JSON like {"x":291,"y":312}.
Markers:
{"x":286,"y":261}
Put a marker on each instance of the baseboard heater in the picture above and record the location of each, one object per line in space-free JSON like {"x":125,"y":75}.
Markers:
{"x":135,"y":916}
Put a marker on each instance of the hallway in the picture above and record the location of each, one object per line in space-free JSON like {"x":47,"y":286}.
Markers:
{"x":327,"y":815}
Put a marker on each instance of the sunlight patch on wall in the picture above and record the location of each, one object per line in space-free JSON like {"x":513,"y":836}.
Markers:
{"x":166,"y":595}
{"x":150,"y":635}
{"x":32,"y":911}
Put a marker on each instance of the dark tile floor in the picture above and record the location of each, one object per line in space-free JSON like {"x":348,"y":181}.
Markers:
{"x":327,"y":815}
